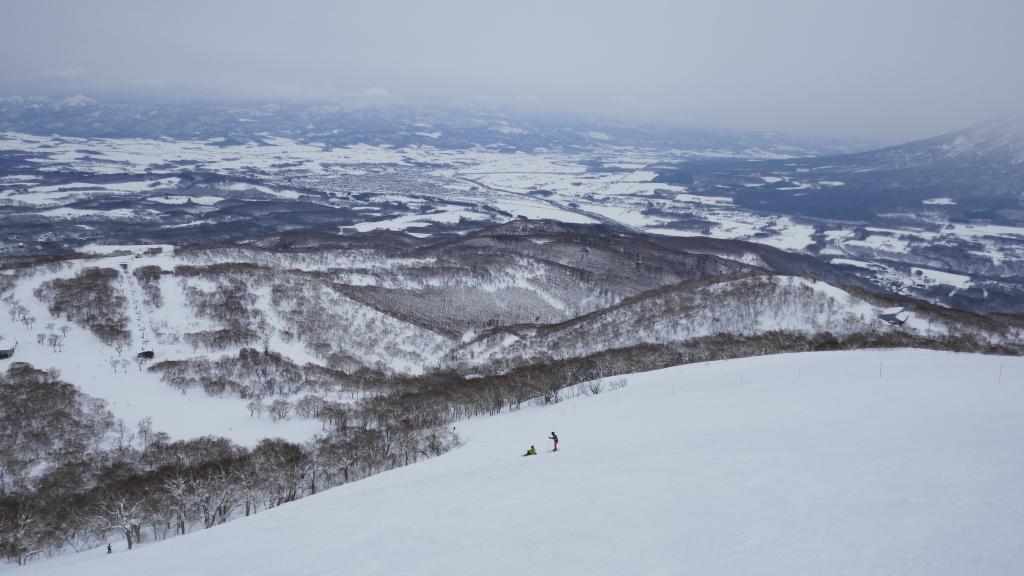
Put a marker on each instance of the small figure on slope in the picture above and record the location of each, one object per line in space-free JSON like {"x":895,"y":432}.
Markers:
{"x":110,"y":550}
{"x":554,"y":438}
{"x":531,"y":452}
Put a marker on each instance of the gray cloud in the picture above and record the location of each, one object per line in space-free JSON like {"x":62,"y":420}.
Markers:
{"x":883,"y":70}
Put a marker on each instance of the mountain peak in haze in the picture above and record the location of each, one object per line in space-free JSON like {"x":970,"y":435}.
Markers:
{"x":991,"y":144}
{"x":77,"y":101}
{"x":1003,"y":136}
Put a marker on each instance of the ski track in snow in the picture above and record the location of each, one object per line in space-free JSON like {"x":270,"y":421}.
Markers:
{"x":859,"y":463}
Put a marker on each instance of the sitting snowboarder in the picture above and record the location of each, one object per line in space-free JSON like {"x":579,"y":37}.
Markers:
{"x":554,"y":437}
{"x":531,"y":452}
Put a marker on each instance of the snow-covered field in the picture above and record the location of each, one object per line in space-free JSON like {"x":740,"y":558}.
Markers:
{"x":875,"y":462}
{"x":93,"y":187}
{"x":461,"y":185}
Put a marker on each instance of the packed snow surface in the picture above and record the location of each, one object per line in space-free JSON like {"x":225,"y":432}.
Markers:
{"x":872,"y":462}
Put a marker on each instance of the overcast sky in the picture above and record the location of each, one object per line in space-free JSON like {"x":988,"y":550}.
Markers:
{"x":881,"y":70}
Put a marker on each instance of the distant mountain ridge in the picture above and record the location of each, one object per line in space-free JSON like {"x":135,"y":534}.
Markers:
{"x":998,"y":139}
{"x":396,"y":125}
{"x":984,"y":161}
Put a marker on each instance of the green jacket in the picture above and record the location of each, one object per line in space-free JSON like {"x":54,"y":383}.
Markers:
{"x":531,"y":452}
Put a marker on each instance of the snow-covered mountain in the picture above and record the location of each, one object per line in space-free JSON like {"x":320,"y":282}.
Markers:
{"x":977,"y":172}
{"x":998,"y":142}
{"x":279,"y":321}
{"x":685,"y":314}
{"x":884,"y":462}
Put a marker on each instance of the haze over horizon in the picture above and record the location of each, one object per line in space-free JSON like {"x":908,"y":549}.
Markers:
{"x":878,"y":71}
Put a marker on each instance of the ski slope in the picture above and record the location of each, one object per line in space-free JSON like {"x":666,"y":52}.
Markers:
{"x":131,"y":392}
{"x":869,"y":462}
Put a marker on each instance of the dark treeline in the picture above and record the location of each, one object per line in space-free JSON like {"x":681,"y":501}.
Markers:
{"x":443,"y":396}
{"x":232,"y":306}
{"x":72,"y":476}
{"x":149,"y":280}
{"x":440,"y":397}
{"x":91,"y":299}
{"x":451,"y":396}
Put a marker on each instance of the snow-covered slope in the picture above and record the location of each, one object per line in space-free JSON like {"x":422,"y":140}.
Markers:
{"x":112,"y":374}
{"x":882,"y":462}
{"x":747,"y":306}
{"x":999,"y":140}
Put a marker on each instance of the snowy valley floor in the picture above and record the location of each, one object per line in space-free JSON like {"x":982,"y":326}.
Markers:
{"x":875,"y":462}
